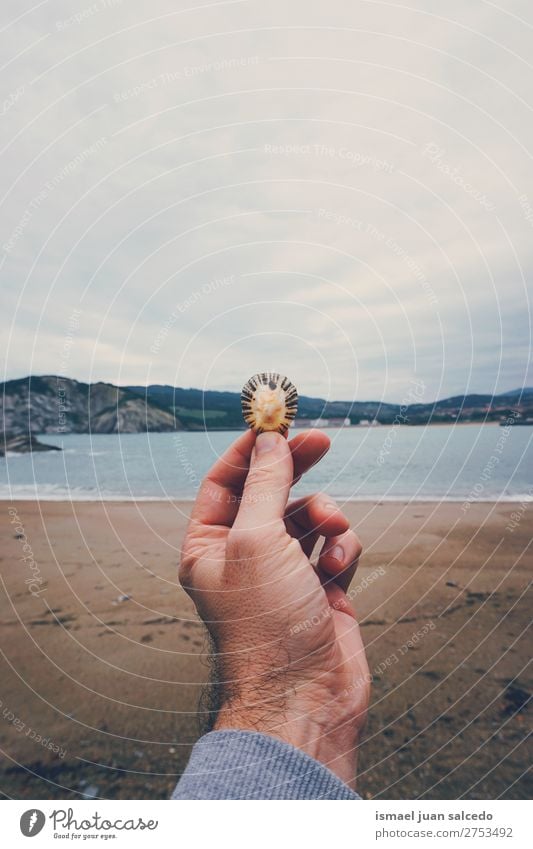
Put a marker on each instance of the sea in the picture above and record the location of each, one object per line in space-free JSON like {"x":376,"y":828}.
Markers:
{"x":396,"y":463}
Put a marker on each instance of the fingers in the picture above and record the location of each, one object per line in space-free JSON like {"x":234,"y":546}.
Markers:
{"x":318,"y":515}
{"x":339,"y":558}
{"x":218,"y":500}
{"x":313,"y":516}
{"x":318,"y":512}
{"x":338,"y":600}
{"x":308,"y":447}
{"x":267,"y":485}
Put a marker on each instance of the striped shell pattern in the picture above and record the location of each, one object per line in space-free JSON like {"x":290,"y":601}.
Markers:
{"x":269,"y":402}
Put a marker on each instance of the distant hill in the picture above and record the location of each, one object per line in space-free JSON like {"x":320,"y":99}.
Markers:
{"x":52,"y":404}
{"x":222,"y":410}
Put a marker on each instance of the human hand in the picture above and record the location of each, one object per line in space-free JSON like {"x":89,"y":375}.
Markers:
{"x":290,"y":659}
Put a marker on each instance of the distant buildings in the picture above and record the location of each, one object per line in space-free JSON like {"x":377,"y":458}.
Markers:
{"x":334,"y":422}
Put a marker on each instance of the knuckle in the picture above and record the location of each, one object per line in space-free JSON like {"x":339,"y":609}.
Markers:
{"x":189,"y":558}
{"x":324,"y":498}
{"x":319,"y":503}
{"x":292,"y":549}
{"x":184,"y":571}
{"x":352,"y":544}
{"x":260,"y":478}
{"x":254,"y":543}
{"x":357,"y":545}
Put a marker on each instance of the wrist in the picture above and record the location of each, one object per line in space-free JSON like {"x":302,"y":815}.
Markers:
{"x":314,"y":723}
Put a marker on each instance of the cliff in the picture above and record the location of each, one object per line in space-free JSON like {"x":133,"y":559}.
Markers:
{"x":52,"y":404}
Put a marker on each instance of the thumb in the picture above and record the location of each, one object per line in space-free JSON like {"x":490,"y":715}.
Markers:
{"x":268,"y":483}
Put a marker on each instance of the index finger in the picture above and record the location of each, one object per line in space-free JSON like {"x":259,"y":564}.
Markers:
{"x":218,"y":499}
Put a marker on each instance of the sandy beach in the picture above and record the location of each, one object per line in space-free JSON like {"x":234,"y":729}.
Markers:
{"x":103,"y":658}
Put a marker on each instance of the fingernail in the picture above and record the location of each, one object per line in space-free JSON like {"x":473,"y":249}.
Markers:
{"x":337,"y":552}
{"x":266,"y":442}
{"x":329,"y":506}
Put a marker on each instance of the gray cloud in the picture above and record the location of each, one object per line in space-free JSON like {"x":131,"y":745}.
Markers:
{"x":340,"y":192}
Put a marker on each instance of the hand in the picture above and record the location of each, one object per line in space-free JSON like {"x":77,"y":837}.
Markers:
{"x":290,"y":659}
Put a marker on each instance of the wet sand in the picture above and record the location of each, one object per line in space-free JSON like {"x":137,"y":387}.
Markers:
{"x":103,"y":658}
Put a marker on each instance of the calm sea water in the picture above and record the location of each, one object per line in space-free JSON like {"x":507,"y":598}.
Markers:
{"x":482,"y":463}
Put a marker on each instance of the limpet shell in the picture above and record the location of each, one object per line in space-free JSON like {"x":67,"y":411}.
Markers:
{"x":269,"y":402}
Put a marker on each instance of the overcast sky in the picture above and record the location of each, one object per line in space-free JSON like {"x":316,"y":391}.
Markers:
{"x":341,"y":191}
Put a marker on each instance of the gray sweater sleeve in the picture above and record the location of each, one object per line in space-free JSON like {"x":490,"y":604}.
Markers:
{"x":249,"y":765}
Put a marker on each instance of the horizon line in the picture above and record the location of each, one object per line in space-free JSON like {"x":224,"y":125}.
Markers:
{"x":464,"y":394}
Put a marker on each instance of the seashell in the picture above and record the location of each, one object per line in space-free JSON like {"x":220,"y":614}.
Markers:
{"x":269,"y":402}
